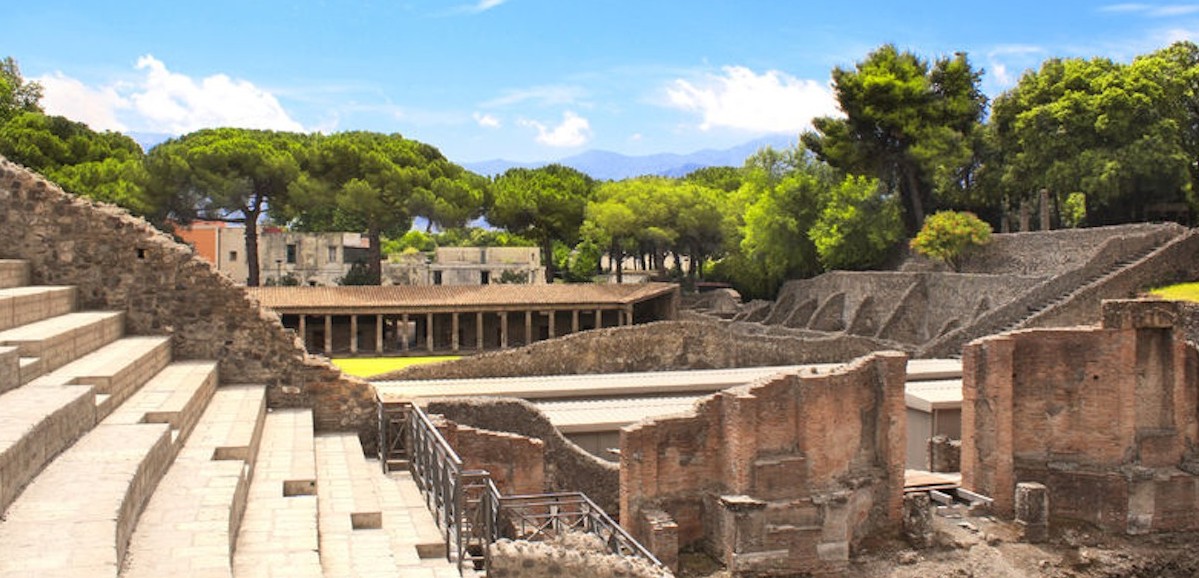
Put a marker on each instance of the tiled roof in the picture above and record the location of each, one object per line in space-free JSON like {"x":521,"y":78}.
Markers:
{"x":456,"y":297}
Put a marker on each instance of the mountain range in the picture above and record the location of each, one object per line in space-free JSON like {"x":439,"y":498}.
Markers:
{"x":603,"y":165}
{"x":607,"y":165}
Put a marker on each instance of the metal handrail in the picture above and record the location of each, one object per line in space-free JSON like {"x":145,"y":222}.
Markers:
{"x":468,"y":506}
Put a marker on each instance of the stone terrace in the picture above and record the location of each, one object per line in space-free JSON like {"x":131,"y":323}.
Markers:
{"x":116,"y":459}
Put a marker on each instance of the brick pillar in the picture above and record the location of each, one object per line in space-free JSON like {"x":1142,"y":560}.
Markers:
{"x":379,"y":334}
{"x":304,"y":330}
{"x":574,"y":320}
{"x":503,"y":330}
{"x":353,"y":334}
{"x":599,"y":318}
{"x":918,"y":520}
{"x":404,"y":339}
{"x":429,"y":332}
{"x":528,"y":327}
{"x":552,"y":315}
{"x":454,"y":331}
{"x":479,"y":331}
{"x":987,"y":435}
{"x":1032,"y":511}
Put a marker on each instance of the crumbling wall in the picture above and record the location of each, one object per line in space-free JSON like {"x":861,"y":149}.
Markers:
{"x":660,"y":346}
{"x":567,"y":467}
{"x":780,"y":477}
{"x":1106,"y":417}
{"x":581,"y":555}
{"x":119,"y":262}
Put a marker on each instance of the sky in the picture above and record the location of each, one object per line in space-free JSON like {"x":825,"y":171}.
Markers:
{"x":527,"y":80}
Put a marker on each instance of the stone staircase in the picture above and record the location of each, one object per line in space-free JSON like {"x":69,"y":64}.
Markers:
{"x":116,"y":460}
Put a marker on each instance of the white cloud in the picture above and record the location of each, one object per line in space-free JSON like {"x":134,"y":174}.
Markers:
{"x":1005,"y":64}
{"x":770,"y":102}
{"x":95,"y":107}
{"x":574,"y":131}
{"x":1152,"y":11}
{"x":487,"y":120}
{"x":160,"y":100}
{"x":478,"y":7}
{"x":548,"y":95}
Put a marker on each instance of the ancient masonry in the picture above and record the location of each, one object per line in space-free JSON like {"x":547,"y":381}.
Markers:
{"x":1105,"y":417}
{"x":121,"y":263}
{"x":780,"y":477}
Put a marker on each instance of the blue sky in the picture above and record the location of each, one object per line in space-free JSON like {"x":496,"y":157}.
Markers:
{"x":526,"y":79}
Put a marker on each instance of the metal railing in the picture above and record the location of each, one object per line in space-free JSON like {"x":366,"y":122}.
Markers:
{"x":468,"y":506}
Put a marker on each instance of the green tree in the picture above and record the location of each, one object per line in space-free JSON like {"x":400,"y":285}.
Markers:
{"x":1123,"y":135}
{"x":364,"y":181}
{"x":857,"y":226}
{"x":947,"y":236}
{"x":226,"y":174}
{"x":105,"y":166}
{"x":909,"y":124}
{"x":17,"y":95}
{"x":544,"y":204}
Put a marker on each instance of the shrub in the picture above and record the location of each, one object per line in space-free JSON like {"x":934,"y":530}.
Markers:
{"x":948,"y":235}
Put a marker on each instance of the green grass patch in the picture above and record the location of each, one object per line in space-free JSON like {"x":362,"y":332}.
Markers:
{"x":366,"y":367}
{"x":1179,"y":292}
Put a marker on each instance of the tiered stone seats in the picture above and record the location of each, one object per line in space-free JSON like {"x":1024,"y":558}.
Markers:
{"x":117,"y":461}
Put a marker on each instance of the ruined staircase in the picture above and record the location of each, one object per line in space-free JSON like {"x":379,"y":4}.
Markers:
{"x":116,"y":460}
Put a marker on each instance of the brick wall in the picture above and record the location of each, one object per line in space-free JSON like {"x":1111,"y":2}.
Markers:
{"x":119,"y":262}
{"x":516,"y":463}
{"x":1105,"y":416}
{"x":786,"y":475}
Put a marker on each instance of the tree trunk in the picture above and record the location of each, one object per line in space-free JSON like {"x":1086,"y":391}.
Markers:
{"x":915,"y":203}
{"x":252,"y":213}
{"x":374,"y":256}
{"x":547,"y":257}
{"x":618,"y":258}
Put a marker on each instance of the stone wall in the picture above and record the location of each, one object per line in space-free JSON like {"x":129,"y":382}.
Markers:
{"x":780,"y":477}
{"x":567,"y":467}
{"x":516,"y":463}
{"x":660,"y":346}
{"x":1106,"y":417}
{"x":119,"y":262}
{"x":580,"y":555}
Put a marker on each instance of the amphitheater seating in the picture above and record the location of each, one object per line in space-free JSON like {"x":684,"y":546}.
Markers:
{"x":116,"y":460}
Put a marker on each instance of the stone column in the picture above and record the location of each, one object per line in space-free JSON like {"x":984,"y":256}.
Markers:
{"x":1032,"y":511}
{"x":918,"y":520}
{"x":304,"y":330}
{"x":353,"y":334}
{"x":503,"y":330}
{"x":599,"y":318}
{"x":404,"y":339}
{"x":454,"y":331}
{"x":528,"y":327}
{"x":552,"y":319}
{"x":429,"y":332}
{"x":479,"y":331}
{"x":379,"y":334}
{"x":574,"y":320}
{"x":328,"y":335}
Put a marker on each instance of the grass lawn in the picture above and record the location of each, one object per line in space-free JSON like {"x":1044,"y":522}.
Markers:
{"x":1179,"y":292}
{"x":368,"y":366}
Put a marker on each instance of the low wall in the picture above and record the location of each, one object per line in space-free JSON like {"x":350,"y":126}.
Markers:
{"x":660,"y":346}
{"x":579,"y":555}
{"x":514,"y":462}
{"x":119,"y":262}
{"x":568,"y":467}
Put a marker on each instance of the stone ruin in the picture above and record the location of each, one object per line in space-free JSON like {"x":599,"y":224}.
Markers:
{"x":779,"y":477}
{"x":1105,"y":417}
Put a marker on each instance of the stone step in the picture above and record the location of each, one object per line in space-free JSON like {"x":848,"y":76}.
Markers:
{"x":10,"y":368}
{"x":278,"y":534}
{"x":190,"y":526}
{"x":36,"y":424}
{"x":116,"y":370}
{"x":415,"y":537}
{"x":350,"y":518}
{"x":13,"y":273}
{"x":23,"y":305}
{"x":176,"y":396}
{"x":59,"y":340}
{"x":88,"y":498}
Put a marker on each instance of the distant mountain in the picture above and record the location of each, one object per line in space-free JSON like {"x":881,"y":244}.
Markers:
{"x":149,"y":140}
{"x":606,"y":165}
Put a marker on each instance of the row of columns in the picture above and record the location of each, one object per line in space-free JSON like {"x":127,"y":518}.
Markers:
{"x":623,"y":317}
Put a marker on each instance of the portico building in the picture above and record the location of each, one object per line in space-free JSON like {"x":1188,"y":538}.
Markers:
{"x":398,"y":319}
